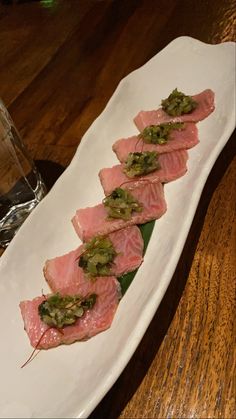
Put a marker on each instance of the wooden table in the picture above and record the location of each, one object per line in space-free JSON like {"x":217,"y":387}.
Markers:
{"x":60,"y":63}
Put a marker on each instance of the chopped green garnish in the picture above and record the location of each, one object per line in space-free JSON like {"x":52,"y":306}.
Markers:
{"x":178,"y":104}
{"x":121,"y":204}
{"x":59,"y":311}
{"x":159,"y":134}
{"x":138,"y":164}
{"x":98,"y":256}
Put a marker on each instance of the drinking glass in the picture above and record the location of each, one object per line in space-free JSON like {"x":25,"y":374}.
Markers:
{"x":21,"y":186}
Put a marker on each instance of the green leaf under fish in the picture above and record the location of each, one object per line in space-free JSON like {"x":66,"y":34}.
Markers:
{"x":146,"y":231}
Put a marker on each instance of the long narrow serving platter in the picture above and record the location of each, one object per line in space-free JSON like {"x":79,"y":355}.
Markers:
{"x":69,"y":381}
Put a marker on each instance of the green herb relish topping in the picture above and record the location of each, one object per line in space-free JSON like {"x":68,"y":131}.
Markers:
{"x":59,"y":311}
{"x":159,"y":134}
{"x":121,"y":204}
{"x":98,"y":256}
{"x":178,"y":104}
{"x":138,"y":164}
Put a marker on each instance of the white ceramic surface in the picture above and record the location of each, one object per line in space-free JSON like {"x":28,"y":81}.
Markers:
{"x":69,"y":381}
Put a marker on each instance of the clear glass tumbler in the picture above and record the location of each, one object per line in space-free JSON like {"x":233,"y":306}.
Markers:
{"x":21,"y":186}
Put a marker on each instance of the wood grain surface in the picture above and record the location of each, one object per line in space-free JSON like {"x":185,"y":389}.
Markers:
{"x":59,"y":65}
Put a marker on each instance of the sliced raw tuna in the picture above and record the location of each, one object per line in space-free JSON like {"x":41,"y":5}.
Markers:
{"x":91,"y":221}
{"x":128,"y":243}
{"x":64,"y":271}
{"x":178,"y":140}
{"x":172,"y":166}
{"x":205,"y":107}
{"x":93,"y":322}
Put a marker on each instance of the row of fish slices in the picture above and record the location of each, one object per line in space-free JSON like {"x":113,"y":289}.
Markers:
{"x":53,"y":269}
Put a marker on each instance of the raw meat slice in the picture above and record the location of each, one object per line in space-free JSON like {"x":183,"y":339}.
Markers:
{"x":178,"y":140}
{"x":205,"y":107}
{"x":128,"y":243}
{"x":91,"y":221}
{"x":94,"y":321}
{"x":172,"y":166}
{"x":64,"y":271}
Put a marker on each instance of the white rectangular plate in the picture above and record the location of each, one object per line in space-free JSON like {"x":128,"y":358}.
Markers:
{"x":69,"y":381}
